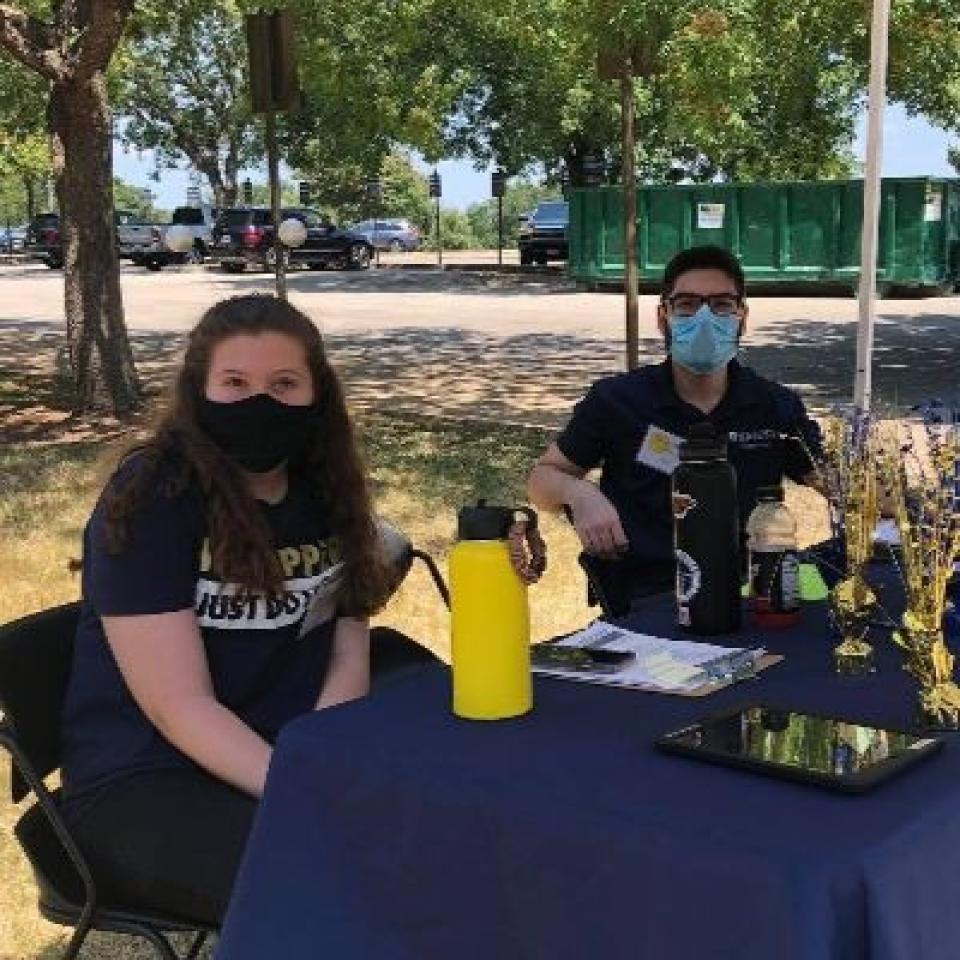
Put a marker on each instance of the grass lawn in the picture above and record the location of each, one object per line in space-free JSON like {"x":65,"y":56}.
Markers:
{"x":424,"y":471}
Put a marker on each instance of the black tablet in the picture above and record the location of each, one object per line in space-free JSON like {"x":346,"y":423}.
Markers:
{"x":812,"y":748}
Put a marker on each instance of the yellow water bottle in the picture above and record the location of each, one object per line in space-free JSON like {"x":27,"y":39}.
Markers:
{"x":490,"y":619}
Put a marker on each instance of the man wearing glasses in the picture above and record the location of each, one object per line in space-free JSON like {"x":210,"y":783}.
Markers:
{"x":631,"y":425}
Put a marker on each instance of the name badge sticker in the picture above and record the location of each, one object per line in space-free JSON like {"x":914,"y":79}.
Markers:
{"x":660,"y":450}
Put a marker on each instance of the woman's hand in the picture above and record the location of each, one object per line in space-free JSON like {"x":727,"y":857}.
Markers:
{"x":164,"y":664}
{"x":348,"y":676}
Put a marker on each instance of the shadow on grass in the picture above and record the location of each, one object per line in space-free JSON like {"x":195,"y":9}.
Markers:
{"x":35,"y":398}
{"x":115,"y":947}
{"x":452,"y":282}
{"x":469,"y":375}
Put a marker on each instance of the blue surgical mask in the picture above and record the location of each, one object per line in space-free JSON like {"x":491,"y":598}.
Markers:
{"x":704,"y":342}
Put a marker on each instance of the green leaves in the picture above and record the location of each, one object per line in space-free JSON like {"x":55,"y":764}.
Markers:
{"x":749,"y":89}
{"x":182,"y":89}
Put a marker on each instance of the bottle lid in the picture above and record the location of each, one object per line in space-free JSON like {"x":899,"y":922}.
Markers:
{"x":484,"y":522}
{"x":772,"y":494}
{"x":702,"y":443}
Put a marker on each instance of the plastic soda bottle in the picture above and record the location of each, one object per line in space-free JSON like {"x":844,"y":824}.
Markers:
{"x":774,"y":561}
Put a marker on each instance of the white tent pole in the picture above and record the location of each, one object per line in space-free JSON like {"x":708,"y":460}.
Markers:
{"x":871,"y":203}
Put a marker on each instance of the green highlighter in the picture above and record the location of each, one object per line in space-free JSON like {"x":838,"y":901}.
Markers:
{"x":812,"y":586}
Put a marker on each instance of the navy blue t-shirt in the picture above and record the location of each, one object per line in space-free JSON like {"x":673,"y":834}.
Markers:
{"x":620,"y":425}
{"x":260,"y":666}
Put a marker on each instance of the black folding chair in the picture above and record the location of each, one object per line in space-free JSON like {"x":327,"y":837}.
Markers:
{"x":409,"y":554}
{"x":392,"y":653}
{"x":35,"y":657}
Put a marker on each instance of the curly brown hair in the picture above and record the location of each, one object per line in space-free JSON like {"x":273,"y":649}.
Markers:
{"x":180,"y":455}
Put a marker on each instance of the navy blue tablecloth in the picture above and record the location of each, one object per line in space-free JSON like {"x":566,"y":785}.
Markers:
{"x":391,"y":830}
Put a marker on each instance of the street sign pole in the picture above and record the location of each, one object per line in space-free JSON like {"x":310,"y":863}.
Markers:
{"x":436,"y":191}
{"x":498,"y":180}
{"x":630,"y":279}
{"x":273,"y":160}
{"x":274,"y":86}
{"x":500,"y":231}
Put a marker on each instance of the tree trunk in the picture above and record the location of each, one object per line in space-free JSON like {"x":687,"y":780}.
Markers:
{"x":224,"y":189}
{"x":30,"y":189}
{"x":231,"y":169}
{"x":80,"y":128}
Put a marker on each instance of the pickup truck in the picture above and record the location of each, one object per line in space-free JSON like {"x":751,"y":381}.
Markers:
{"x":138,"y":240}
{"x":43,"y":240}
{"x":154,"y":254}
{"x":543,"y":235}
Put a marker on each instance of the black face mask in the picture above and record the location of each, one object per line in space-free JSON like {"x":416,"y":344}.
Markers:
{"x":259,"y":433}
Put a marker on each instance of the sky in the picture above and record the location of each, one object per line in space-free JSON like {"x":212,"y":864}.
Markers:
{"x":911,"y":147}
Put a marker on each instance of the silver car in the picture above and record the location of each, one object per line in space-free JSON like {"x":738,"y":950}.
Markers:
{"x":391,"y":234}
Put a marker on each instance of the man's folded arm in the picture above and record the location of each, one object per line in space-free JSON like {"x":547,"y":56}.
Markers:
{"x":557,"y":482}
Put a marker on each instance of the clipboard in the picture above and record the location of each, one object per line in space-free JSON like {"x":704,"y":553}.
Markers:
{"x":704,"y":690}
{"x":659,"y":665}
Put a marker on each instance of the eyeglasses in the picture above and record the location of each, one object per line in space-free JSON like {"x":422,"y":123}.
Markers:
{"x":687,"y":304}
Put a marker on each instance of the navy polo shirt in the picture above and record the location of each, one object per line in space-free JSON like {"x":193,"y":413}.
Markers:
{"x":609,"y":425}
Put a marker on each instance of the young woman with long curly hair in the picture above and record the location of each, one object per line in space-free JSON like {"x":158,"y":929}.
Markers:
{"x":207,"y":547}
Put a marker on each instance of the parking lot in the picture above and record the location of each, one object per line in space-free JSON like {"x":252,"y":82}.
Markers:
{"x":513,"y":348}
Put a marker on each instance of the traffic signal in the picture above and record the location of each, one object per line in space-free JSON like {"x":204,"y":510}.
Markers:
{"x":247,"y":191}
{"x":594,"y":168}
{"x":498,"y":183}
{"x":436,"y":187}
{"x":374,"y":189}
{"x":304,"y":193}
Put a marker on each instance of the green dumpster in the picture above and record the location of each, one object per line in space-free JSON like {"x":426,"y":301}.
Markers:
{"x":801,"y":233}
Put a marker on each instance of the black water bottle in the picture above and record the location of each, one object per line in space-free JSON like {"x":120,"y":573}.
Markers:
{"x":706,"y":535}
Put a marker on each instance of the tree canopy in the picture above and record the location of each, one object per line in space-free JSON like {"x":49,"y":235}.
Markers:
{"x":747,"y":89}
{"x":181,"y":90}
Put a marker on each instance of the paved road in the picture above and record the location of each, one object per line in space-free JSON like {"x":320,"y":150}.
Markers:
{"x":505,"y":348}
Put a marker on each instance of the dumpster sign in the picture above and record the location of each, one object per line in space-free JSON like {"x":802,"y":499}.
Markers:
{"x":710,"y":216}
{"x":933,"y":207}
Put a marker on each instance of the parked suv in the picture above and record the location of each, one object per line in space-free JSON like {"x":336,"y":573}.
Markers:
{"x":200,"y":221}
{"x":543,"y":235}
{"x":139,"y":240}
{"x":394,"y":235}
{"x":12,"y":239}
{"x":43,"y":240}
{"x":243,"y":236}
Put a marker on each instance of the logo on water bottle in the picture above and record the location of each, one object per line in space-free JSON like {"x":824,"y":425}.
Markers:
{"x":689,"y":578}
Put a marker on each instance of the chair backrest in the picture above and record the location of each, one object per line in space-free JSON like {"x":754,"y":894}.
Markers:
{"x":36,"y":653}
